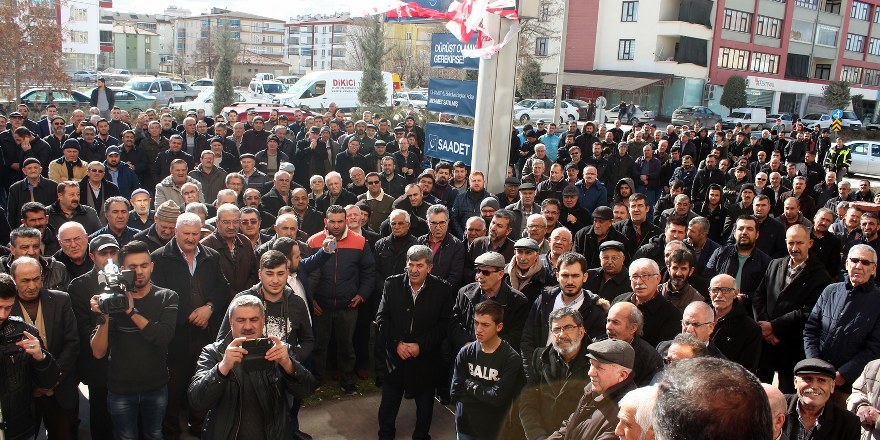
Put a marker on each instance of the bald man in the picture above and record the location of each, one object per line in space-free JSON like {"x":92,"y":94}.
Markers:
{"x":736,"y":334}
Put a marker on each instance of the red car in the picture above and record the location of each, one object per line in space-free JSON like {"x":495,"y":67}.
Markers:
{"x":263,"y":109}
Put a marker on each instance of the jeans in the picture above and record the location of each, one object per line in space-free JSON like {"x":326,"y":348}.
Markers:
{"x":392,"y":394}
{"x":341,"y":323}
{"x":125,"y":409}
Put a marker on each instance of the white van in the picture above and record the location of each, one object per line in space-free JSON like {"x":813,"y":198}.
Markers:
{"x":756,"y":117}
{"x":157,"y":87}
{"x":288,"y":80}
{"x":317,"y":90}
{"x":265,"y":91}
{"x":264,"y":77}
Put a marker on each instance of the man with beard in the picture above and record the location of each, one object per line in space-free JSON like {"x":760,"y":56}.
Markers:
{"x":685,"y":173}
{"x":677,"y":290}
{"x":557,"y":375}
{"x":67,"y":208}
{"x":525,"y":272}
{"x":771,"y":237}
{"x":811,"y":409}
{"x":706,"y":177}
{"x":498,"y":240}
{"x":637,"y":230}
{"x":588,"y":240}
{"x":141,"y":216}
{"x":118,"y":173}
{"x":869,"y":226}
{"x":743,"y":207}
{"x":715,"y":212}
{"x":442,"y":190}
{"x":826,"y":246}
{"x":569,"y":293}
{"x":742,"y":260}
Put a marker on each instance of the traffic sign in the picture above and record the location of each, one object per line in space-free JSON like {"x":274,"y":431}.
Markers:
{"x":601,"y":102}
{"x":836,"y":113}
{"x":835,"y":125}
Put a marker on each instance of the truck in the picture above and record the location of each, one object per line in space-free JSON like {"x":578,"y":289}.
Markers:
{"x":317,"y":90}
{"x":756,"y":117}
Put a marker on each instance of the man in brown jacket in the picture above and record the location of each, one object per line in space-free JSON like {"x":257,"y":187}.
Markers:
{"x":237,"y":259}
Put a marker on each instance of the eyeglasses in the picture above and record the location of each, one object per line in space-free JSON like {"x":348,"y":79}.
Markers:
{"x":58,"y":124}
{"x":250,"y":222}
{"x":854,"y":260}
{"x":642,"y":277}
{"x":685,"y":324}
{"x":440,"y":223}
{"x":372,"y":182}
{"x":68,"y":241}
{"x":487,"y":272}
{"x":230,"y":222}
{"x":96,"y":171}
{"x":567,"y":329}
{"x":717,"y":290}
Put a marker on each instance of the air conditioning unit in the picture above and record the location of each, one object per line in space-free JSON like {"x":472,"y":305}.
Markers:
{"x":708,"y":92}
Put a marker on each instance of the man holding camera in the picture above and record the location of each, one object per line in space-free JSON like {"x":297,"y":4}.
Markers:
{"x":93,"y":371}
{"x":25,"y":364}
{"x":51,"y":313}
{"x":243,"y":379}
{"x":137,"y":340}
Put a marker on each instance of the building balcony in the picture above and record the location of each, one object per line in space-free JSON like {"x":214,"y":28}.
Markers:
{"x":696,"y":12}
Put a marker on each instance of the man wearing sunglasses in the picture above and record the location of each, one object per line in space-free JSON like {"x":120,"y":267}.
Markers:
{"x":843,"y":327}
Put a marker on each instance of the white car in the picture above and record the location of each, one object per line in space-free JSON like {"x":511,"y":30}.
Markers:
{"x":413,"y":99}
{"x":533,"y":110}
{"x":205,"y":101}
{"x":849,"y":120}
{"x":203,"y":84}
{"x":865,"y":157}
{"x":639,"y":115}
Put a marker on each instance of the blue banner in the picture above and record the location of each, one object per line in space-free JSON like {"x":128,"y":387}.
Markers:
{"x":446,"y":52}
{"x":452,"y":96}
{"x":449,"y":142}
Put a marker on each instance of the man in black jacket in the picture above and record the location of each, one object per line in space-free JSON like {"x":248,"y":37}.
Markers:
{"x":102,"y":97}
{"x":193,"y":271}
{"x":33,"y":188}
{"x":662,"y":319}
{"x":245,"y":397}
{"x":787,"y":293}
{"x":736,"y":334}
{"x":57,"y":404}
{"x":726,"y":259}
{"x":412,"y":320}
{"x":588,"y":240}
{"x":135,"y":341}
{"x":637,"y":230}
{"x":811,"y":409}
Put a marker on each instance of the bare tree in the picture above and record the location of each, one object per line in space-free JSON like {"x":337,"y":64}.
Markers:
{"x":550,"y":12}
{"x":31,"y":37}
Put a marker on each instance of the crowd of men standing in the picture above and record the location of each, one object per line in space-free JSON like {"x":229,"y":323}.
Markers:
{"x":618,"y":276}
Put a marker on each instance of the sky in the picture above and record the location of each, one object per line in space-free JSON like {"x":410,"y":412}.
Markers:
{"x":279,"y":9}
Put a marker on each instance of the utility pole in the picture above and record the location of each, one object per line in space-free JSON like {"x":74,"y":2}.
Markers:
{"x":557,"y":102}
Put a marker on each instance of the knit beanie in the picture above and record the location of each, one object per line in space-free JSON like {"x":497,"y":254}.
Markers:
{"x":168,"y":211}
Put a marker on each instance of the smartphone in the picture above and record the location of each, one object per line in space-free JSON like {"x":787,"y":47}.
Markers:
{"x":255,"y":359}
{"x":331,"y":247}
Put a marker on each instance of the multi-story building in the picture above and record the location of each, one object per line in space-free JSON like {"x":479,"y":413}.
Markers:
{"x":84,"y":30}
{"x":194,"y":36}
{"x":151,"y":34}
{"x":317,"y":43}
{"x":788,"y":51}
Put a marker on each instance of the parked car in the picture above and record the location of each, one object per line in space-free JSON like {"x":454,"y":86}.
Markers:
{"x":183,"y":92}
{"x":640,"y":115}
{"x":865,"y":156}
{"x":411,"y":99}
{"x":202,"y":84}
{"x":39,"y":97}
{"x":287,"y":80}
{"x":756,"y":117}
{"x":133,"y":101}
{"x":84,"y":76}
{"x":691,"y":114}
{"x":581,"y":106}
{"x":786,"y":121}
{"x":263,"y":109}
{"x":849,"y":120}
{"x":205,"y":101}
{"x":157,"y":87}
{"x":544,"y":109}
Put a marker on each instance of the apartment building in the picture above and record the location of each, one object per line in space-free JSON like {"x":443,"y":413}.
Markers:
{"x":789,"y":50}
{"x":82,"y":42}
{"x":141,"y":42}
{"x":319,"y":42}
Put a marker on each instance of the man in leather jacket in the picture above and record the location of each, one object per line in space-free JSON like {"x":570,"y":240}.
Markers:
{"x":245,"y":401}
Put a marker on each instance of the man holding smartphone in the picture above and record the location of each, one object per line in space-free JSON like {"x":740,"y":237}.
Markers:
{"x":241,"y":397}
{"x":137,"y":344}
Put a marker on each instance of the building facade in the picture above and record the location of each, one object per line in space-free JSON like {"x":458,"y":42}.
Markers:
{"x":317,"y":43}
{"x":82,"y":41}
{"x":789,"y":51}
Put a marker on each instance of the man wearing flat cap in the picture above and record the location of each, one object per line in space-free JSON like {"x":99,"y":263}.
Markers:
{"x":510,"y":195}
{"x":588,"y":240}
{"x":811,"y":414}
{"x":611,"y":363}
{"x":609,"y":279}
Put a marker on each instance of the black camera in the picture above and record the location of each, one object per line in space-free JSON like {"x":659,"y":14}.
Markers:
{"x":10,"y":334}
{"x":112,"y":299}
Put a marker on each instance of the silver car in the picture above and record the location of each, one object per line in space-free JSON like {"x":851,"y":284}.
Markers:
{"x":691,"y":114}
{"x":865,"y":157}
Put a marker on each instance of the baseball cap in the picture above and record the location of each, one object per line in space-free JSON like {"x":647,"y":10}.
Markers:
{"x":102,"y":241}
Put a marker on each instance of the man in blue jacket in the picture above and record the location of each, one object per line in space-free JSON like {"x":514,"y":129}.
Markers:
{"x":844,"y":327}
{"x":344,"y":283}
{"x":592,"y":191}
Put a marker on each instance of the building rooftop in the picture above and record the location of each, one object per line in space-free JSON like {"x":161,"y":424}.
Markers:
{"x":123,"y":28}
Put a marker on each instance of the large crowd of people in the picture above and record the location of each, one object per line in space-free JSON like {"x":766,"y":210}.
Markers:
{"x":643,"y":283}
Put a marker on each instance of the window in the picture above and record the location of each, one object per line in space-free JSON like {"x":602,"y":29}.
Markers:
{"x":768,"y":26}
{"x":626,"y":49}
{"x":79,"y":14}
{"x":79,"y":37}
{"x":733,"y":58}
{"x":737,"y":21}
{"x":235,"y":23}
{"x":874,"y":46}
{"x":338,"y":52}
{"x":809,"y":4}
{"x":832,"y":6}
{"x":872,"y":77}
{"x":826,"y":35}
{"x":851,"y":74}
{"x":105,"y":37}
{"x":629,"y":11}
{"x":236,"y":35}
{"x":765,"y":62}
{"x":859,"y":10}
{"x":855,"y":43}
{"x":205,"y":33}
{"x":823,"y":71}
{"x":876,"y":15}
{"x":545,"y":11}
{"x":541,"y":46}
{"x":802,"y":31}
{"x":206,"y":22}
